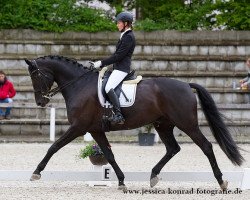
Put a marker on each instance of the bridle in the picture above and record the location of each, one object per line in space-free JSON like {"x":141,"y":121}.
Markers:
{"x":47,"y":92}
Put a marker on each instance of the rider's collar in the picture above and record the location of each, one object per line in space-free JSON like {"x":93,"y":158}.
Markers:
{"x":124,"y":32}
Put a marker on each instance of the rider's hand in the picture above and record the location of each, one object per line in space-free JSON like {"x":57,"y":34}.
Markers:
{"x":96,"y":64}
{"x":244,"y":84}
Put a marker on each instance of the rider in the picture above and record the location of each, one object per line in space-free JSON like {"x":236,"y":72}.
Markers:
{"x":121,"y":61}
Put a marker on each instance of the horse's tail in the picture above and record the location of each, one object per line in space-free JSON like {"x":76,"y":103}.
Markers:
{"x":217,"y":125}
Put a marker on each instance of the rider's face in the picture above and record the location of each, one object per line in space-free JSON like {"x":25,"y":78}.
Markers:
{"x":120,"y":25}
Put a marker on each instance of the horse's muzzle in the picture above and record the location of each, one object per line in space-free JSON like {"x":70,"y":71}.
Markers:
{"x":42,"y":102}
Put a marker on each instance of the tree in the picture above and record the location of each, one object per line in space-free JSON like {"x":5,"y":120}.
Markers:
{"x":234,"y":14}
{"x":119,"y":5}
{"x":52,"y":15}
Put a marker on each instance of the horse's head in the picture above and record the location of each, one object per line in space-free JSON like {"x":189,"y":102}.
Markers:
{"x":42,"y":82}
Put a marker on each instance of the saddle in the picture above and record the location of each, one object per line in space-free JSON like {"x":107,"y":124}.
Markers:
{"x":118,"y":89}
{"x":125,"y":91}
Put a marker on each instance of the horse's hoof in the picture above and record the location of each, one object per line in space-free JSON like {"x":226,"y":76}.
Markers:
{"x":224,"y":185}
{"x":122,"y":187}
{"x":35,"y":177}
{"x":154,"y":181}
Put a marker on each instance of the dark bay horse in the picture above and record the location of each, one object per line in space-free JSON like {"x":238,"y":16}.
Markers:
{"x":167,"y":103}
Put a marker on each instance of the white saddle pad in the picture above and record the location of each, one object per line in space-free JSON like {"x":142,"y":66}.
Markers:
{"x":128,"y":87}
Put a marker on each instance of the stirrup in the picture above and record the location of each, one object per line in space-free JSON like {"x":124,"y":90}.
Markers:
{"x":117,"y":119}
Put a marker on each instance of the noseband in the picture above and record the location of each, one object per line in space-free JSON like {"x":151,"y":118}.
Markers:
{"x":48,"y":93}
{"x":41,"y":76}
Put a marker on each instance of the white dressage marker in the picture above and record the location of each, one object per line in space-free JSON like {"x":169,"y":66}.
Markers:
{"x":104,"y":179}
{"x":87,"y":137}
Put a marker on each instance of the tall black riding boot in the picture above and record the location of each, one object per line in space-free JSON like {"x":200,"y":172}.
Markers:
{"x":117,"y":118}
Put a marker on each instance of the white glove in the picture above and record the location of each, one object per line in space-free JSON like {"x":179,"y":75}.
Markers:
{"x":96,"y":64}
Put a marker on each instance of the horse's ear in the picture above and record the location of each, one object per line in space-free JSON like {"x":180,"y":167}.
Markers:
{"x":28,"y":62}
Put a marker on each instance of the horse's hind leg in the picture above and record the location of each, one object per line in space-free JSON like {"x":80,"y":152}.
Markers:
{"x":165,"y":131}
{"x":207,"y":148}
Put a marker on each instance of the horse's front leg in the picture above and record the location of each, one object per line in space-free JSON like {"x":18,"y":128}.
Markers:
{"x":102,"y":141}
{"x":66,"y":138}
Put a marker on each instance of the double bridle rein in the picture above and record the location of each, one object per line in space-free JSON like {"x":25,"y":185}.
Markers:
{"x":48,"y":93}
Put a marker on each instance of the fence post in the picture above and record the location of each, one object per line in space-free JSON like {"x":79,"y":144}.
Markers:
{"x":52,"y":124}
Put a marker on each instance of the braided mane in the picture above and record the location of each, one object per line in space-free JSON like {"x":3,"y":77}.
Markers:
{"x":65,"y":59}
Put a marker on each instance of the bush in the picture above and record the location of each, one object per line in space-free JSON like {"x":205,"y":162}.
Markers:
{"x":235,"y":15}
{"x":52,"y":15}
{"x":230,"y":15}
{"x":91,"y":149}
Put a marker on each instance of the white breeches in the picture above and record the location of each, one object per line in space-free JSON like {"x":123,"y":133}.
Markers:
{"x":115,"y":78}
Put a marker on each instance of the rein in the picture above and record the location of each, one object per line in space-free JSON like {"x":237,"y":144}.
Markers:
{"x":55,"y":90}
{"x":51,"y":92}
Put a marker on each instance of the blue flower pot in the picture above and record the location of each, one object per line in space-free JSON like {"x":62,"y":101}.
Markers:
{"x":146,"y":139}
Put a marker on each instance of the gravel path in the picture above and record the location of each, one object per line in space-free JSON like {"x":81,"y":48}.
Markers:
{"x":129,"y":157}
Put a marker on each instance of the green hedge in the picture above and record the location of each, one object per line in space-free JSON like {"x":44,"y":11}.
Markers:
{"x":63,"y":15}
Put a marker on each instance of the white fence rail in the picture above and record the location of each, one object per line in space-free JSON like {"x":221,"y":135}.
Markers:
{"x":242,"y":177}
